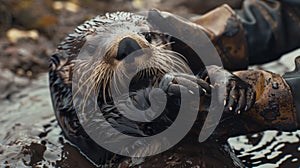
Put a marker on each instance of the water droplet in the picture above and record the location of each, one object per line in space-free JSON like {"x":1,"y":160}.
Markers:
{"x":295,"y":160}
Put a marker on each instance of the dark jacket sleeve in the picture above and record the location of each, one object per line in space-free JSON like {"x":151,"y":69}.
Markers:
{"x":261,"y":31}
{"x":271,"y":28}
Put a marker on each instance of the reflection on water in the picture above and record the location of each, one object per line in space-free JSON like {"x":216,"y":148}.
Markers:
{"x":30,"y":137}
{"x":268,"y":149}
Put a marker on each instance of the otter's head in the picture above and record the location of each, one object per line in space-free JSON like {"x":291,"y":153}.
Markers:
{"x":116,"y":49}
{"x":97,"y":59}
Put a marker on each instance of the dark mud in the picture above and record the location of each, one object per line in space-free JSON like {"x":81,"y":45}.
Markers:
{"x":29,"y":134}
{"x":30,"y":137}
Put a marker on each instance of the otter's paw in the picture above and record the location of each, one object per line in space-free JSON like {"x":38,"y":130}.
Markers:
{"x":240,"y":96}
{"x":174,"y":84}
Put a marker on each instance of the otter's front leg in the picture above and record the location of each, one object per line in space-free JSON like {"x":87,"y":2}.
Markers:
{"x":270,"y":98}
{"x":240,"y":95}
{"x":145,"y":112}
{"x":274,"y":107}
{"x":174,"y":84}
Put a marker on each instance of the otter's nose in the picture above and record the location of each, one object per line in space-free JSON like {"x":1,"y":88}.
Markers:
{"x":127,"y":46}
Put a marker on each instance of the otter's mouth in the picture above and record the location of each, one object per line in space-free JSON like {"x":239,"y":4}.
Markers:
{"x":146,"y":78}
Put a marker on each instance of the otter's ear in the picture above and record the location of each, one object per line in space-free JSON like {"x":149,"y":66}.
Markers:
{"x":54,"y":61}
{"x":57,"y":60}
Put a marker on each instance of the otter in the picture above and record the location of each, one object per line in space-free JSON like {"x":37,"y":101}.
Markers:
{"x":85,"y":63}
{"x":91,"y":54}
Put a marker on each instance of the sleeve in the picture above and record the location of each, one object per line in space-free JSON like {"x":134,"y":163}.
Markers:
{"x":293,"y":80}
{"x":259,"y":32}
{"x":271,"y":28}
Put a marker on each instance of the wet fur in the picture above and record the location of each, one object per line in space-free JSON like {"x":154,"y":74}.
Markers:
{"x":95,"y":70}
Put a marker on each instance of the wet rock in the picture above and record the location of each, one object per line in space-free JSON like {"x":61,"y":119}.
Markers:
{"x":26,"y":116}
{"x":14,"y":35}
{"x":5,"y":18}
{"x":10,"y":84}
{"x":32,"y":14}
{"x":69,"y":6}
{"x":26,"y":57}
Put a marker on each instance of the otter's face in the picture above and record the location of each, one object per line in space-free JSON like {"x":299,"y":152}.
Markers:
{"x":109,"y":46}
{"x":99,"y":57}
{"x":112,"y":57}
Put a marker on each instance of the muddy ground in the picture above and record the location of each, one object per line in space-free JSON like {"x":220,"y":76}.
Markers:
{"x":29,"y":33}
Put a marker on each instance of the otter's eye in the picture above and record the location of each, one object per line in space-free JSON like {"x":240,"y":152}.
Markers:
{"x":148,"y":37}
{"x":91,"y":49}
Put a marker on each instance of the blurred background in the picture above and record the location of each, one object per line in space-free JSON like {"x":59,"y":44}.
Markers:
{"x":30,"y":31}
